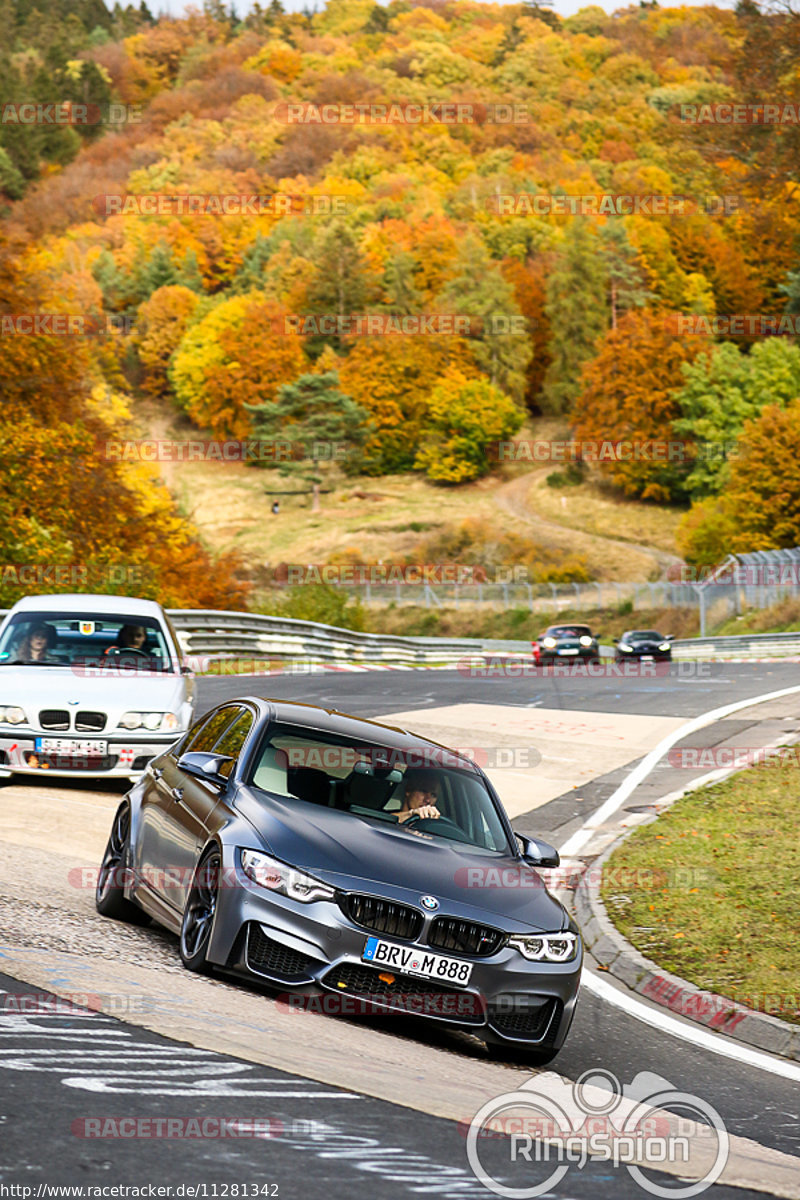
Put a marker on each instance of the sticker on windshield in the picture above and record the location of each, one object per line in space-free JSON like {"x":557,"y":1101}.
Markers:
{"x":86,"y":627}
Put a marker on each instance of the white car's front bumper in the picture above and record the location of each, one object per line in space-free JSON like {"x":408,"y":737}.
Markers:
{"x":126,"y":756}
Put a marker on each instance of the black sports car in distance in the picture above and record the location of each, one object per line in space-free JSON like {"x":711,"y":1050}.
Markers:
{"x":564,"y":642}
{"x":326,"y":855}
{"x":645,"y":644}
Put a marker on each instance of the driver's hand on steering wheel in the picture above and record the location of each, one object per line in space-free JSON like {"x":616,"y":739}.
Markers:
{"x":424,"y":810}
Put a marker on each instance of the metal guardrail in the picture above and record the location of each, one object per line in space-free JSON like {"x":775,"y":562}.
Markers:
{"x":227,"y":634}
{"x":221,"y":634}
{"x":745,"y":645}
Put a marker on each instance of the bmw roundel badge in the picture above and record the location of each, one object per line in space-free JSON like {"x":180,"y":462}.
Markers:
{"x":429,"y":902}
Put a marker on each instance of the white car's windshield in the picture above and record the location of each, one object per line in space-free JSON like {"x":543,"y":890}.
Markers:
{"x":85,"y":640}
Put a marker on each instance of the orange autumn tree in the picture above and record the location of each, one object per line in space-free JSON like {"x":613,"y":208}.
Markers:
{"x":760,"y":508}
{"x":160,"y":325}
{"x":392,"y":378}
{"x":239,"y":354}
{"x":628,"y":395}
{"x":65,"y":500}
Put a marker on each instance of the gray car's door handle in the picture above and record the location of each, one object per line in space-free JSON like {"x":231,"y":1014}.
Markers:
{"x":176,"y":793}
{"x":157,"y":772}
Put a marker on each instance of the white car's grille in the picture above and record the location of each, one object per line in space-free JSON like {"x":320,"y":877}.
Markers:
{"x":90,"y":722}
{"x":56,"y":719}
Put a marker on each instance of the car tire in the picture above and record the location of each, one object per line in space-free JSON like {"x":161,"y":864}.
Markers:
{"x":199,"y":913}
{"x":109,"y":897}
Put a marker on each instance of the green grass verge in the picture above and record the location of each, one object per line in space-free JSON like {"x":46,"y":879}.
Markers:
{"x":709,"y":890}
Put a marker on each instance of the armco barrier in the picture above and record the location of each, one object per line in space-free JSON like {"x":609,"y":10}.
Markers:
{"x":218,"y":634}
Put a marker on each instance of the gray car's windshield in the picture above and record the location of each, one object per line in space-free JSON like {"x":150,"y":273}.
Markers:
{"x":424,"y":791}
{"x":85,"y":640}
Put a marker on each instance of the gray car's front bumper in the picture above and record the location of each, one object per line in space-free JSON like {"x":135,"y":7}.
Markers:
{"x":322,"y":947}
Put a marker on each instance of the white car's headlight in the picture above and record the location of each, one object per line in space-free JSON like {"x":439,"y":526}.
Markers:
{"x":586,"y":641}
{"x":11,"y":714}
{"x":626,"y":649}
{"x":664,"y":646}
{"x":546,"y":947}
{"x":278,"y":877}
{"x":148,"y":720}
{"x":549,"y":643}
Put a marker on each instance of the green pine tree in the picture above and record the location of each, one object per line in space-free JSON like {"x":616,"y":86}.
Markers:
{"x":324,"y":427}
{"x":576,"y":307}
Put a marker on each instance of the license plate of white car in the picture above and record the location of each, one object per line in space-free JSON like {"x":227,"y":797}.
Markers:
{"x":71,"y":747}
{"x":416,"y":962}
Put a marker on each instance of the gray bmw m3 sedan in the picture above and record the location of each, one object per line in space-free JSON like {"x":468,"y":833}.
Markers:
{"x":348,"y":863}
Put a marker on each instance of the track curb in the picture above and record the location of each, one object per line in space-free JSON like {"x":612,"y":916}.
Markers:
{"x":615,"y":955}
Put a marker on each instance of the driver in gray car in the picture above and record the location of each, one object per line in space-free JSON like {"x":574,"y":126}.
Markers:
{"x":420,"y":793}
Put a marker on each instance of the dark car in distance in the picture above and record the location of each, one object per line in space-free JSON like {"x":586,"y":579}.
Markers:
{"x":648,"y":645}
{"x":330,"y":856}
{"x":565,"y":642}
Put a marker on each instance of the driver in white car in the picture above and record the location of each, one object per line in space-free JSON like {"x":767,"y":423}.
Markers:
{"x":421,"y":791}
{"x":130,"y":637}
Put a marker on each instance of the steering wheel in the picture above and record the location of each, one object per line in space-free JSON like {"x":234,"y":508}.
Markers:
{"x":435,"y":823}
{"x":119,"y":651}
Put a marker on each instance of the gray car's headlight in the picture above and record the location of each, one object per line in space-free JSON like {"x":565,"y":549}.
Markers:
{"x":625,"y":648}
{"x":546,"y":947}
{"x":148,"y":720}
{"x":664,"y":646}
{"x":11,"y":714}
{"x":279,"y":877}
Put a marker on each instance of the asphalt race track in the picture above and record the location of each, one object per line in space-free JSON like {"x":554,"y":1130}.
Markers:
{"x":376,"y":1128}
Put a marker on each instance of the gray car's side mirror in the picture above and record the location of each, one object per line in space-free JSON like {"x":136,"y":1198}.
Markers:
{"x":207,"y":767}
{"x":538,"y":853}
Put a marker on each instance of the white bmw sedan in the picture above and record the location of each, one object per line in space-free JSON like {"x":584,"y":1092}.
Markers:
{"x":90,"y":685}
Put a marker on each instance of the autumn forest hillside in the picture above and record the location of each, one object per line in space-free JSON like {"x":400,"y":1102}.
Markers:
{"x":416,"y":231}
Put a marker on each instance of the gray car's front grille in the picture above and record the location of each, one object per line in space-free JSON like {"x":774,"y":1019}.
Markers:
{"x":269,"y":957}
{"x":415,"y":996}
{"x":90,"y":722}
{"x":528,"y":1022}
{"x":382,"y":916}
{"x":464,"y":937}
{"x":56,"y":719}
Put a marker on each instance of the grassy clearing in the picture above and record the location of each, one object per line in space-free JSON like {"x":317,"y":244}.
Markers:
{"x":780,"y":618}
{"x":709,"y":890}
{"x":386,"y":519}
{"x":595,"y":509}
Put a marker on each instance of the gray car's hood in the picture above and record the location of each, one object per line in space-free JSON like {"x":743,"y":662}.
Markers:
{"x":358,"y":854}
